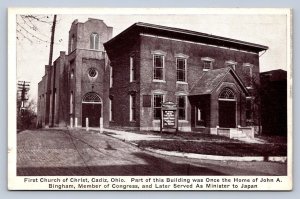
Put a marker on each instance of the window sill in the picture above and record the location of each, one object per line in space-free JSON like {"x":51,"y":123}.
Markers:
{"x":206,"y":69}
{"x":180,"y":82}
{"x":132,"y":121}
{"x":200,"y":127}
{"x":183,"y":121}
{"x":159,"y":81}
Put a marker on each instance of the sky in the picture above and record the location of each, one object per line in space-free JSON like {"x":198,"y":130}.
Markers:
{"x":265,"y":29}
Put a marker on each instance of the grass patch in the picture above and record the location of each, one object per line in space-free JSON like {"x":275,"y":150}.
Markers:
{"x":223,"y":149}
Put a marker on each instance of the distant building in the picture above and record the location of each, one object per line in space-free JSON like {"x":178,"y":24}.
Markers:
{"x":274,"y":102}
{"x":210,"y":78}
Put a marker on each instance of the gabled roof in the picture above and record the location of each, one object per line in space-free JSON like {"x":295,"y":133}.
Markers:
{"x":210,"y":80}
{"x":185,"y":35}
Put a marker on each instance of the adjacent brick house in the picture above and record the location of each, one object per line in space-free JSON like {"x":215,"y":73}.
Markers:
{"x":209,"y":77}
{"x":274,"y":102}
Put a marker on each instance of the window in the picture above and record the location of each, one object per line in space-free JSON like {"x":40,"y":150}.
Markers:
{"x":227,"y":94}
{"x":94,"y":41}
{"x":158,"y":67}
{"x":111,"y":118}
{"x":110,"y":77}
{"x":132,"y":103}
{"x":132,"y":70}
{"x":73,"y":43}
{"x":207,"y":63}
{"x":72,"y":74}
{"x":71,"y":102}
{"x":249,"y":111}
{"x":181,"y":69}
{"x":93,"y":72}
{"x":248,"y":73}
{"x":157,"y":101}
{"x":181,"y":103}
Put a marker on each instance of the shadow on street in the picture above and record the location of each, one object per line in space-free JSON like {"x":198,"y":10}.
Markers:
{"x":155,"y":166}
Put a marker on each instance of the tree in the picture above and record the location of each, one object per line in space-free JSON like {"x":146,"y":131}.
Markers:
{"x":32,"y":28}
{"x":26,"y":117}
{"x":253,"y":104}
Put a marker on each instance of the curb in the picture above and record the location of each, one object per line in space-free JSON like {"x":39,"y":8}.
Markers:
{"x":282,"y":159}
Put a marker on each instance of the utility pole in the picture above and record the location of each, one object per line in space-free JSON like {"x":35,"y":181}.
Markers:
{"x":54,"y":71}
{"x":23,"y":88}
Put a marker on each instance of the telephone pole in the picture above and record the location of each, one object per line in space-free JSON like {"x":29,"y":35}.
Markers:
{"x":23,"y":88}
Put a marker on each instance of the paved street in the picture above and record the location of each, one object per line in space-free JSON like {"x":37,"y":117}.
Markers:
{"x":62,"y":152}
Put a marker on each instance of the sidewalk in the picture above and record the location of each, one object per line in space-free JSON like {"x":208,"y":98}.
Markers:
{"x":132,"y":138}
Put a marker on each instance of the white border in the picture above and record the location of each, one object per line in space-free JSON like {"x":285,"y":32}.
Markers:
{"x":16,"y":183}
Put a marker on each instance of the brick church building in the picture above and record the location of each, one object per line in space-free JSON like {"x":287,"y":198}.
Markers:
{"x":125,"y":79}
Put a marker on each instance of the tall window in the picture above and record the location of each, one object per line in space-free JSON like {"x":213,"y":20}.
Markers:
{"x":157,"y":101}
{"x":72,"y":74}
{"x":72,"y":43}
{"x":132,"y":69}
{"x":181,"y":102}
{"x":110,"y":77}
{"x":248,"y":73}
{"x":132,"y":110}
{"x":94,"y":41}
{"x":249,"y":111}
{"x":71,"y":102}
{"x":111,"y":118}
{"x":158,"y":67}
{"x":181,"y":69}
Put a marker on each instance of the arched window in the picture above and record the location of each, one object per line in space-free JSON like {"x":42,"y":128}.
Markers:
{"x":94,"y":41}
{"x":91,"y":97}
{"x":72,"y":43}
{"x":227,"y":94}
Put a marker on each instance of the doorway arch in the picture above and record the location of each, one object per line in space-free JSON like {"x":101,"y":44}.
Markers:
{"x":227,"y":108}
{"x":91,"y":109}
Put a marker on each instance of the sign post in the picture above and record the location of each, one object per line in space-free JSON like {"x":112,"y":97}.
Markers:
{"x":169,"y":116}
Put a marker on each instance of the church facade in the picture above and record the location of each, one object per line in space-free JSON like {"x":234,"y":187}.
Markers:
{"x":125,"y":79}
{"x":76,"y":86}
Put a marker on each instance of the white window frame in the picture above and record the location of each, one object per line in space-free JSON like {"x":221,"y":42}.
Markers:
{"x":110,"y":77}
{"x":185,"y":70}
{"x":163,"y":99}
{"x":132,"y":72}
{"x":71,"y":102}
{"x":94,"y":34}
{"x":131,"y":119}
{"x":163,"y":54}
{"x":207,"y":59}
{"x":110,"y":110}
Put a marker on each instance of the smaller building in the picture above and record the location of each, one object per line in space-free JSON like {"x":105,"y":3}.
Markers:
{"x":274,"y":102}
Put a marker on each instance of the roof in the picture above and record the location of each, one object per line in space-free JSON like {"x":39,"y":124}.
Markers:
{"x":189,"y":35}
{"x":274,"y":75}
{"x":211,"y":79}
